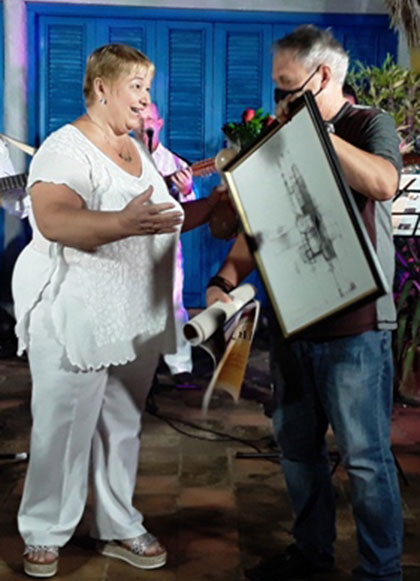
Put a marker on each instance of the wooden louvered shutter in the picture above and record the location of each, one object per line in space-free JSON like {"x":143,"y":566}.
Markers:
{"x":137,"y":33}
{"x":184,"y":65}
{"x":62,"y":68}
{"x":242,"y":79}
{"x":243,"y":69}
{"x":361,"y":45}
{"x":134,"y":36}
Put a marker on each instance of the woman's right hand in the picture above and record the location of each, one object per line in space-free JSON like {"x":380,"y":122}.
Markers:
{"x":141,"y":218}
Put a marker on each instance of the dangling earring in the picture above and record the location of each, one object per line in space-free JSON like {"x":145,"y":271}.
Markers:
{"x":102,"y":100}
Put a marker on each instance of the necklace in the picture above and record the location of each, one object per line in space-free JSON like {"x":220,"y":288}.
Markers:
{"x":124,"y":156}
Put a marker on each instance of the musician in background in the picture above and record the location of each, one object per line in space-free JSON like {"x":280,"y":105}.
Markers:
{"x":349,"y":93}
{"x":180,"y":184}
{"x":12,"y":200}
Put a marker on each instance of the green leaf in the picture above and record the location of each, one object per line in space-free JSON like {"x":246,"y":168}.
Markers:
{"x":409,"y":361}
{"x":400,"y":335}
{"x":416,"y":321}
{"x":404,"y":294}
{"x":394,"y":89}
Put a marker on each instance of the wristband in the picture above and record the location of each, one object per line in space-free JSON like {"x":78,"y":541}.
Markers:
{"x":222,"y":283}
{"x":329,"y":127}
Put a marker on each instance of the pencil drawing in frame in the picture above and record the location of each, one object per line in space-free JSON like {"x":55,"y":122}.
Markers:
{"x":302,"y":224}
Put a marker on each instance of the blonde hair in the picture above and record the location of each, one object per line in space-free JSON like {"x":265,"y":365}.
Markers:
{"x":110,"y":62}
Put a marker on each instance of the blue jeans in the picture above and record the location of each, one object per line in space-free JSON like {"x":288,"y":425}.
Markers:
{"x":345,"y":382}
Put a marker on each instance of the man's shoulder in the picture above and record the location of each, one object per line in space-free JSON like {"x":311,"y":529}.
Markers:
{"x":361,"y":122}
{"x":363,"y":112}
{"x":166,"y":160}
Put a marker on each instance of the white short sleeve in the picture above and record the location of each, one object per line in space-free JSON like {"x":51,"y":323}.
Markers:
{"x":6,"y":166}
{"x":62,"y":159}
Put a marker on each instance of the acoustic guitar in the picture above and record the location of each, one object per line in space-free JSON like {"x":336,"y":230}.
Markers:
{"x":203,"y":168}
{"x":199,"y":169}
{"x":16,"y":182}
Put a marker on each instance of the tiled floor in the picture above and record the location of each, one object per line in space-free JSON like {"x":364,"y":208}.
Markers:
{"x":216,"y":513}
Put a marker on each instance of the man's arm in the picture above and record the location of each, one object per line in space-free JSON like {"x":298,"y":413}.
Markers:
{"x":371,"y":175}
{"x":237,"y":265}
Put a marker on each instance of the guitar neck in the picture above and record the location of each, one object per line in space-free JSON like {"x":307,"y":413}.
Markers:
{"x":15,"y":182}
{"x":204,"y":167}
{"x":199,"y":169}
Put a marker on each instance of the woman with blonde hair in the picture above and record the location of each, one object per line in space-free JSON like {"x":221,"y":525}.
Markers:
{"x":93,"y":303}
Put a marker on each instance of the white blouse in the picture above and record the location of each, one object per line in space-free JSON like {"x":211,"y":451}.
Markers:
{"x":106,"y":303}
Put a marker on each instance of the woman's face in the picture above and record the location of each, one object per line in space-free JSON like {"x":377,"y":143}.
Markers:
{"x":127,"y":97}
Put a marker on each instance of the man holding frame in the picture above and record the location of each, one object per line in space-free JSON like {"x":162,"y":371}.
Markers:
{"x":339,"y":371}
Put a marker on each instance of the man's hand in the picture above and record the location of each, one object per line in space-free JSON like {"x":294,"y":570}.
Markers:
{"x":218,"y":194}
{"x":283,"y":109}
{"x":223,"y":222}
{"x":183,"y":181}
{"x":141,"y":218}
{"x":214,"y":294}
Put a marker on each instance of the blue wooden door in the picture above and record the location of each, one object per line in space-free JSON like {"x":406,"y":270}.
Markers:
{"x":184,"y":59}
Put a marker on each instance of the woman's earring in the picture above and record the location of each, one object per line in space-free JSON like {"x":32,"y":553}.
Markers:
{"x":102,"y":100}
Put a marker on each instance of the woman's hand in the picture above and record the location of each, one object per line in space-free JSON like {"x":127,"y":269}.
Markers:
{"x":141,"y":218}
{"x":214,"y":293}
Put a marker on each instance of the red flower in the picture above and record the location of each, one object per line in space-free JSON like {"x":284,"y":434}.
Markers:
{"x":247,"y":115}
{"x":269,"y":120}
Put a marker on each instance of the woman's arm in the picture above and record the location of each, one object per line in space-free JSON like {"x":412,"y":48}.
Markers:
{"x":61,"y":216}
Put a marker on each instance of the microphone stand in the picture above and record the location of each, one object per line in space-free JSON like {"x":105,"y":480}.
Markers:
{"x":150,"y":133}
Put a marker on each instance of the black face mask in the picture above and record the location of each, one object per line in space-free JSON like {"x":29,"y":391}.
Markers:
{"x":280,"y":94}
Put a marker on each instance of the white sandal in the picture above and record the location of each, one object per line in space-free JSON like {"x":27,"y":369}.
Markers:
{"x":135,"y":555}
{"x":39,"y":569}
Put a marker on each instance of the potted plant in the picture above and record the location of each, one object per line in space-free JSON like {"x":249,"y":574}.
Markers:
{"x":397,"y":91}
{"x":224,"y":221}
{"x":407,"y":336}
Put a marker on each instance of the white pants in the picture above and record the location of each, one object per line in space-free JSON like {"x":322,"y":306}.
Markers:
{"x":82,"y":421}
{"x":181,"y":360}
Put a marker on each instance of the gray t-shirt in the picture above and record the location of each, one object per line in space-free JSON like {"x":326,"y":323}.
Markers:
{"x":374,"y":131}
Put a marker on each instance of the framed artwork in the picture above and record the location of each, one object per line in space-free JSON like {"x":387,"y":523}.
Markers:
{"x":301,"y":222}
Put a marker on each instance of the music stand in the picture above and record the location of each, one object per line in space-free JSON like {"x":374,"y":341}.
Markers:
{"x":406,"y":207}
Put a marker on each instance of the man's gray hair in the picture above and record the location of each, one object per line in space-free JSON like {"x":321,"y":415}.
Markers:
{"x":313,"y":47}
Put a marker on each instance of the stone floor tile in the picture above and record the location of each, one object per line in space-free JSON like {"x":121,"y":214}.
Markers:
{"x":159,"y":461}
{"x":12,"y":571}
{"x":210,"y":567}
{"x":157,"y":484}
{"x":203,"y":496}
{"x":120,"y":571}
{"x":201,"y":470}
{"x":156,"y":504}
